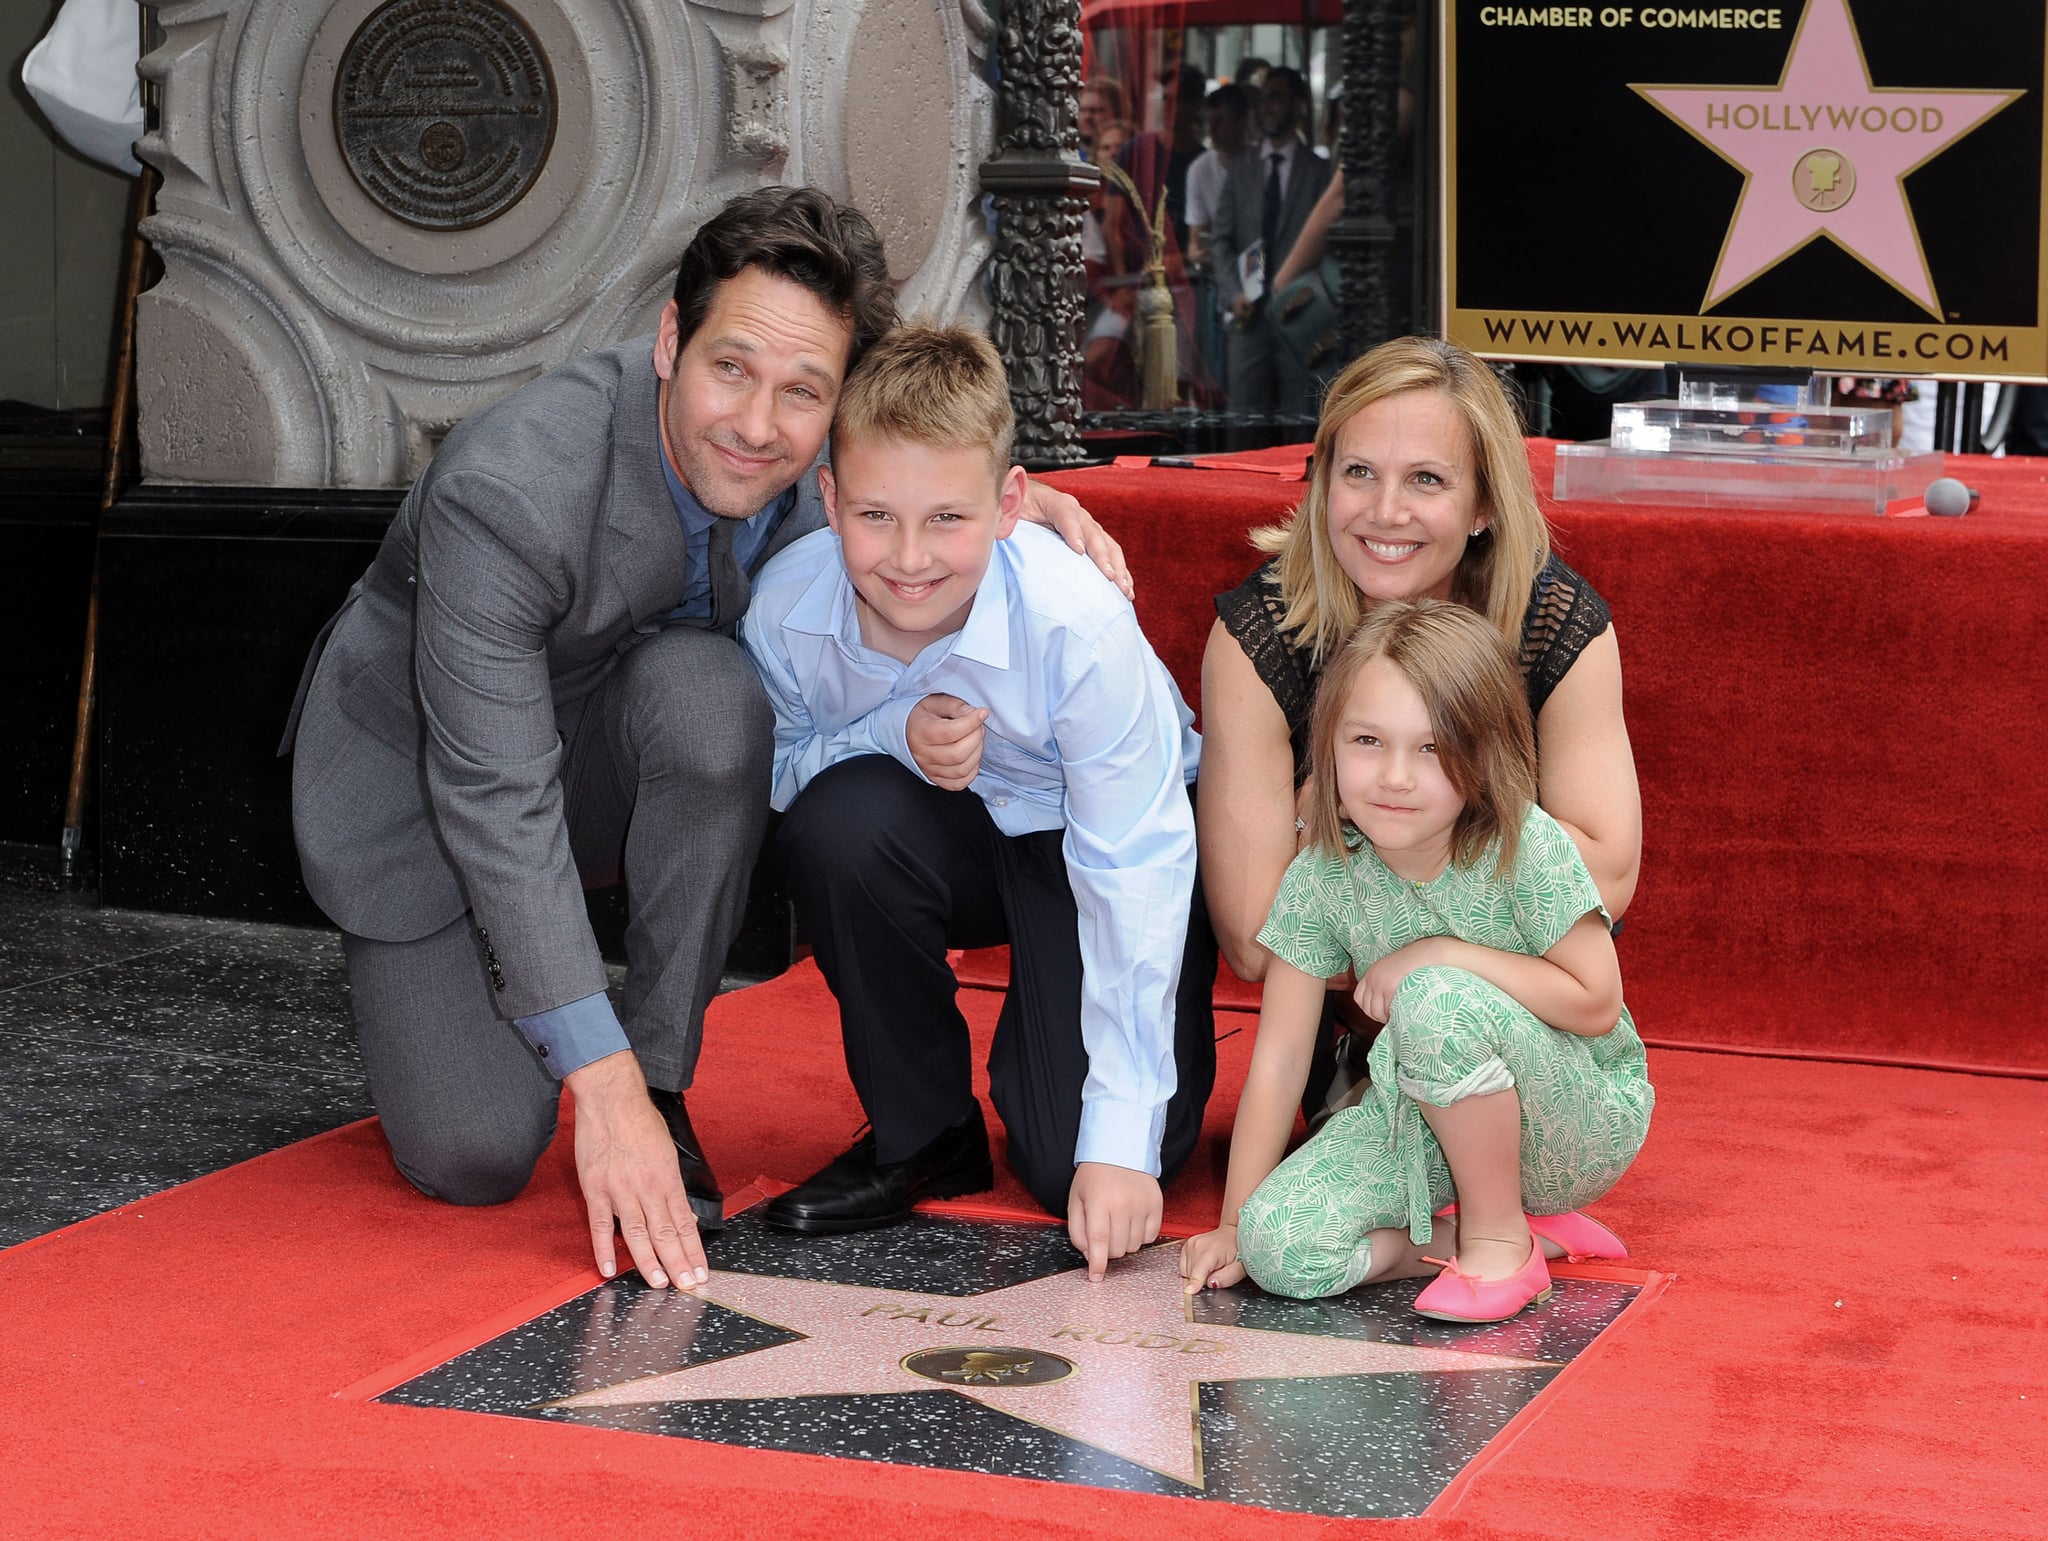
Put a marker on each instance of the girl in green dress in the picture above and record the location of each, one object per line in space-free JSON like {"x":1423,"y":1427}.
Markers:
{"x":1509,"y":1075}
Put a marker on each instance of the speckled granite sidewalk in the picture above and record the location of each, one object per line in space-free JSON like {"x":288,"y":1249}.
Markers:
{"x":144,"y":1050}
{"x":141,"y":1050}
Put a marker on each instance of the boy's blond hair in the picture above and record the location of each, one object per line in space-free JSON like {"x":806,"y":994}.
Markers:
{"x":1478,"y":714}
{"x":939,"y":386}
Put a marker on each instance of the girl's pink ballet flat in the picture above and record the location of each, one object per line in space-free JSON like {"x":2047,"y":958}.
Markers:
{"x":1456,"y":1296}
{"x":1580,"y":1235}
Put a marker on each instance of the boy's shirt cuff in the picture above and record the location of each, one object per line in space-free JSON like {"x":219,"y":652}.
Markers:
{"x":1125,"y":1134}
{"x":890,"y":725}
{"x":569,"y":1037}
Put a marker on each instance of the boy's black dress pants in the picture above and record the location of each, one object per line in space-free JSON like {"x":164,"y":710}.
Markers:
{"x":887,"y":872}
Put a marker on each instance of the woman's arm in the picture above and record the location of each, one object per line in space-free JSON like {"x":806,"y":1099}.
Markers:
{"x":1314,"y":239}
{"x":1586,"y":772}
{"x":1244,"y":815}
{"x":1575,"y":987}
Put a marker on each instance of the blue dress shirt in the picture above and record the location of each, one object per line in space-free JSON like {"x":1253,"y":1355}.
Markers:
{"x":747,"y":543}
{"x":570,"y":1037}
{"x":1086,"y":733}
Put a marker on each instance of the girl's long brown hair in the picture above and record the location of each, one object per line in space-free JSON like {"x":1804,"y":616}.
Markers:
{"x":1478,"y":711}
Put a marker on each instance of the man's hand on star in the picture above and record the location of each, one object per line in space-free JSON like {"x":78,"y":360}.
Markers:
{"x":1064,"y":515}
{"x":1112,"y":1211}
{"x":626,"y":1164}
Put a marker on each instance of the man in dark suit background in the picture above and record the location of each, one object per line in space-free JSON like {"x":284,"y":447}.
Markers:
{"x":536,"y":689}
{"x":1267,"y":194}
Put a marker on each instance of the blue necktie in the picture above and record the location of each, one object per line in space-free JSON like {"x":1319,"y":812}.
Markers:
{"x":730,"y":589}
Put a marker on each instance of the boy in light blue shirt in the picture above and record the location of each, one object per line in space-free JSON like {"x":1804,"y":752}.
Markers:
{"x":975,"y":744}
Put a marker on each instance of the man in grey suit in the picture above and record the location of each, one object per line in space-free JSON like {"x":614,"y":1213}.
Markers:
{"x":1267,"y":194}
{"x":536,"y":689}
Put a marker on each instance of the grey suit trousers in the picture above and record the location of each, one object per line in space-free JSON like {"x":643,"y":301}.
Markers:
{"x":1264,"y":374}
{"x":665,"y":777}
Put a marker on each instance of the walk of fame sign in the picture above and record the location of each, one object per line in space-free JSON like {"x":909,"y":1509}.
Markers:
{"x":1848,"y":186}
{"x":981,"y":1346}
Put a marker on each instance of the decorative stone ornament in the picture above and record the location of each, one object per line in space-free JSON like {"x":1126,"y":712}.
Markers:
{"x":757,"y":130}
{"x":1039,"y":187}
{"x":378,"y":216}
{"x":444,"y":114}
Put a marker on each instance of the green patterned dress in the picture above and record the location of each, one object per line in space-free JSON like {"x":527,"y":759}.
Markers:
{"x":1585,"y":1101}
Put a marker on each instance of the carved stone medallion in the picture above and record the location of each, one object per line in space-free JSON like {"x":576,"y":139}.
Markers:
{"x":444,"y":110}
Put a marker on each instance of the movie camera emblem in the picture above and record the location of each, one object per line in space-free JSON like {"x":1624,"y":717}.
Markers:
{"x":988,"y":1366}
{"x":1823,"y":180}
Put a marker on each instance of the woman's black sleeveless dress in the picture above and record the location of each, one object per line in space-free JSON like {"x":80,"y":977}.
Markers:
{"x":1564,"y":615}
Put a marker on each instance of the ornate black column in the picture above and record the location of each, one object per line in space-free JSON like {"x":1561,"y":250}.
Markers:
{"x":1363,"y":239}
{"x":1041,"y":189}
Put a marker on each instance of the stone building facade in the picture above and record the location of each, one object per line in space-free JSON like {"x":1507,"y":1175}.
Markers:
{"x":379,"y":215}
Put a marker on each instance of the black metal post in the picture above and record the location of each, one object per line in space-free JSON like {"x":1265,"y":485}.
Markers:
{"x":1425,"y":288}
{"x":1363,"y":239}
{"x":1040,"y":187}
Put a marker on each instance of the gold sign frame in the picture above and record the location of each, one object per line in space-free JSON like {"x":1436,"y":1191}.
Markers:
{"x":1935,"y":345}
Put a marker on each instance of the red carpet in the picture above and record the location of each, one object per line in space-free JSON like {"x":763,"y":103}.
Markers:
{"x":1853,"y":1346}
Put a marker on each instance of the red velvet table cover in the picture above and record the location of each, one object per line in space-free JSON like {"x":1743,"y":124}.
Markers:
{"x":1839,"y":726}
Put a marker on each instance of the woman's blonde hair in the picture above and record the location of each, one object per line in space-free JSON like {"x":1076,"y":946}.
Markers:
{"x":1478,"y":715}
{"x":1498,"y":568}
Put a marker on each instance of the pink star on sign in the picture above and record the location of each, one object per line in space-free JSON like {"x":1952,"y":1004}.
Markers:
{"x":1824,"y":152}
{"x":1137,"y":1356}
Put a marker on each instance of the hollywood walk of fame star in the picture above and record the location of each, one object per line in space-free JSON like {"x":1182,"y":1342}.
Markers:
{"x":1137,"y":1357}
{"x":1825,"y":152}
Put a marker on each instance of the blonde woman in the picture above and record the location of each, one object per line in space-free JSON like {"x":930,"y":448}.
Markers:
{"x":1420,"y":490}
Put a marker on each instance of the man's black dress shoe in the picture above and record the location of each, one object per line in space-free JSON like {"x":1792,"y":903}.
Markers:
{"x":859,"y":1193}
{"x":707,"y":1203}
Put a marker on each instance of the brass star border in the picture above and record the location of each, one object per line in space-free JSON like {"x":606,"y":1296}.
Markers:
{"x":979,"y":1345}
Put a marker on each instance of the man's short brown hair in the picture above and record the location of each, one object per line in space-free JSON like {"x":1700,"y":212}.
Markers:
{"x":800,"y":234}
{"x":939,"y":386}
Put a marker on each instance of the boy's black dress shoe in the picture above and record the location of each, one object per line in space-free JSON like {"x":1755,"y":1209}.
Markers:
{"x":707,"y":1203}
{"x":859,"y":1193}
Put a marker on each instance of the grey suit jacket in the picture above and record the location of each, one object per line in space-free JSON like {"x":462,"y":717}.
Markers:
{"x":539,"y":545}
{"x":1240,"y":211}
